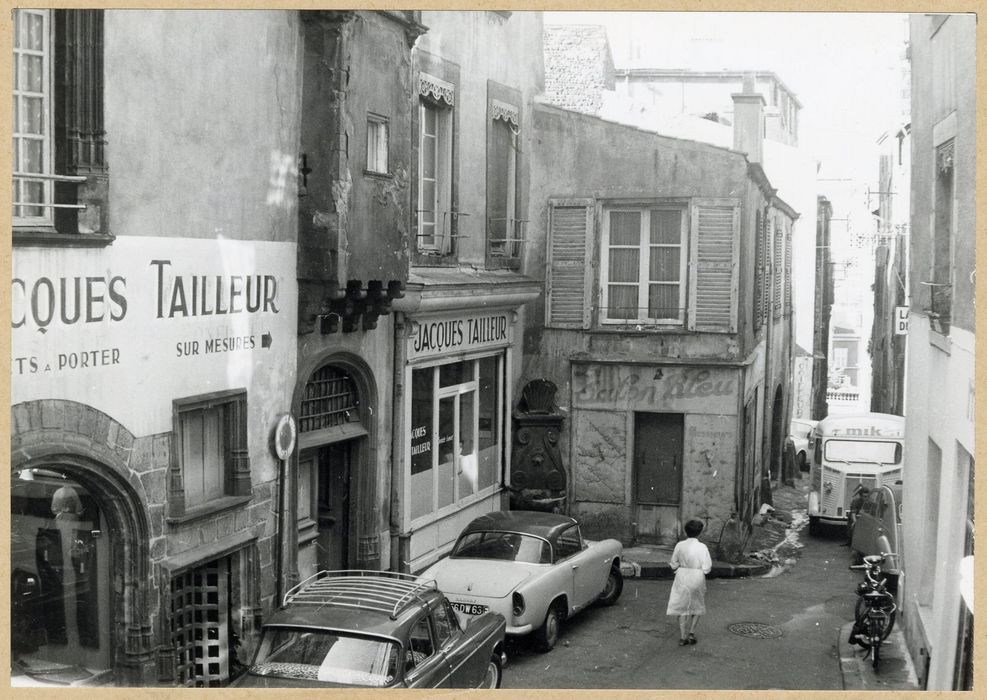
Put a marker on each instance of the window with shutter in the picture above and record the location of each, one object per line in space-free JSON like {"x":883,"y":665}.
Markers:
{"x":779,"y":265}
{"x":757,"y":316}
{"x":643,"y":265}
{"x":569,"y":264}
{"x":788,"y":268}
{"x":713,"y":283}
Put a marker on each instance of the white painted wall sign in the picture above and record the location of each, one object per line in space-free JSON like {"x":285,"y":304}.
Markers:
{"x":128,"y":328}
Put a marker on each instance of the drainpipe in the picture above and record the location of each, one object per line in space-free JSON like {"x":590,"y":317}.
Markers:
{"x":398,"y":429}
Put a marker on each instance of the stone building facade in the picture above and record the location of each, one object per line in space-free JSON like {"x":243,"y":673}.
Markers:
{"x":666,"y":321}
{"x":153,"y":338}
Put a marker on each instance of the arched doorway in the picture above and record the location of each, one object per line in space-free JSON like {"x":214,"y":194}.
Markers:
{"x":336,"y":509}
{"x":61,"y":613}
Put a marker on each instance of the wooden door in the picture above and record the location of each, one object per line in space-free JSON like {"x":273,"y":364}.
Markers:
{"x":333,"y":505}
{"x":657,"y":473}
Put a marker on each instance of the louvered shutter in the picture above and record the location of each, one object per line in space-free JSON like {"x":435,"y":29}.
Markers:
{"x":713,"y":244}
{"x":779,"y":266}
{"x":758,"y":315}
{"x":569,"y":274}
{"x":788,"y":269}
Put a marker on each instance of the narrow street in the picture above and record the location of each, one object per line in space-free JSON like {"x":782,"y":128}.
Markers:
{"x":634,"y":645}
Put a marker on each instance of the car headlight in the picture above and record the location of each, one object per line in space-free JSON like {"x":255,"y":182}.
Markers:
{"x":518,"y":601}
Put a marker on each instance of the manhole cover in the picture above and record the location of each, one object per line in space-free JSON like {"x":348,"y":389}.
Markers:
{"x":755,"y":630}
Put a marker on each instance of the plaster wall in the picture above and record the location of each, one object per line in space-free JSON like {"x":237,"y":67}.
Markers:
{"x":207,"y":156}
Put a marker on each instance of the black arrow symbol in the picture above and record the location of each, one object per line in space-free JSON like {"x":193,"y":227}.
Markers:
{"x":266,"y":340}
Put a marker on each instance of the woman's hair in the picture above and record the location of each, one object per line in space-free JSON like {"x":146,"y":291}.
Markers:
{"x":693,"y":528}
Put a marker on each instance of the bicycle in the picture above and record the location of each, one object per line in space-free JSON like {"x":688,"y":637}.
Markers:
{"x":875,"y":610}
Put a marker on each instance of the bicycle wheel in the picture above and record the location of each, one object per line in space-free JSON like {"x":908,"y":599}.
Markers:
{"x":874,"y":637}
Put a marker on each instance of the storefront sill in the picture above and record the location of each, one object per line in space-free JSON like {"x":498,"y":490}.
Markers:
{"x":659,"y":362}
{"x":207,"y":509}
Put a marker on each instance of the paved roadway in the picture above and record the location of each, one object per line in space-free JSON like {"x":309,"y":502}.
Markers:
{"x":635,"y":645}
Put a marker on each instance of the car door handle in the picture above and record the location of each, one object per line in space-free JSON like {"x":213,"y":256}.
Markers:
{"x":575,"y":566}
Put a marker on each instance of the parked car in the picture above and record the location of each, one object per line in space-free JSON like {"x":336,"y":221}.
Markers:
{"x":877,"y":529}
{"x":534,"y":568}
{"x":378,"y":630}
{"x":799,"y":431}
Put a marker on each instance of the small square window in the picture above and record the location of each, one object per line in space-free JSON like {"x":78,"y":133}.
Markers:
{"x":212,"y":461}
{"x":377,"y":144}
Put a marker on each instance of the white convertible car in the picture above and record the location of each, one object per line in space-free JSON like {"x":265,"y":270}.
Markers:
{"x":533,"y":568}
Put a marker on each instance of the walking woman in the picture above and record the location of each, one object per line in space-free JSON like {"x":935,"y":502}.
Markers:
{"x":690,"y":562}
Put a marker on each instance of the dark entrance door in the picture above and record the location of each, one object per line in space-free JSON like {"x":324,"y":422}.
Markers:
{"x":332,"y":501}
{"x":658,"y":446}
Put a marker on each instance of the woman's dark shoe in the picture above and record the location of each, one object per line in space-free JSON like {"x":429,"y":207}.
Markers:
{"x":683,"y":642}
{"x":692,"y":639}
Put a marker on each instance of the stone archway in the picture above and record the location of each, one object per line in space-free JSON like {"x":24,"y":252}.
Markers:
{"x":95,"y":452}
{"x":363,"y":539}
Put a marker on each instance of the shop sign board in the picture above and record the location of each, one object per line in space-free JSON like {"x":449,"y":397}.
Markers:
{"x":132,"y":326}
{"x":437,"y":336}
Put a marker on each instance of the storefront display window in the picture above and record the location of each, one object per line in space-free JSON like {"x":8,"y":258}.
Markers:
{"x":455,"y":432}
{"x":59,"y":577}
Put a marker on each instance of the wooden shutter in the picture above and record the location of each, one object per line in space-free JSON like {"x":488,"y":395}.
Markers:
{"x":788,"y":269}
{"x":569,"y":275}
{"x":713,"y":249}
{"x":779,"y":265}
{"x":758,"y":315}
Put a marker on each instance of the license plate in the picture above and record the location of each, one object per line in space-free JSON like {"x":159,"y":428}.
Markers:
{"x":470,"y":608}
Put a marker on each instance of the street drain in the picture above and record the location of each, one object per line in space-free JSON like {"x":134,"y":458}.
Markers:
{"x":755,"y":630}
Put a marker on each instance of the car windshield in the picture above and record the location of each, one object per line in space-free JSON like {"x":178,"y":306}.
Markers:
{"x":507,"y":546}
{"x":861,"y":451}
{"x":327,"y":656}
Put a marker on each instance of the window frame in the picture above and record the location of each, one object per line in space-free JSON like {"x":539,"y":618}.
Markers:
{"x":504,"y":229}
{"x":47,"y":218}
{"x":377,"y":123}
{"x":444,"y":223}
{"x":76,"y":176}
{"x":644,"y":261}
{"x":472,"y":386}
{"x":235,"y":477}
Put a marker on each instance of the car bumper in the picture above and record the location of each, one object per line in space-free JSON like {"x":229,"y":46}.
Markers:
{"x":517,"y":631}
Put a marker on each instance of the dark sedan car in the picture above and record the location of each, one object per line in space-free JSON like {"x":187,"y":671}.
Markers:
{"x":377,"y":630}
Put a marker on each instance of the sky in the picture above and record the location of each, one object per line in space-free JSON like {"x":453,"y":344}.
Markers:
{"x":845,"y":68}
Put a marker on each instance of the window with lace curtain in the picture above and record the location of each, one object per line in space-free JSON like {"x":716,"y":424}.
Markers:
{"x":643,"y":265}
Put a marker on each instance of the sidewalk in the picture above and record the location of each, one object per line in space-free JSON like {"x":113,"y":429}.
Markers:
{"x":651,"y":562}
{"x":895,"y":670}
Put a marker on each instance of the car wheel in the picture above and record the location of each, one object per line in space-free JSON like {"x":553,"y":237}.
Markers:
{"x":491,"y":680}
{"x":548,"y":634}
{"x":615,"y":584}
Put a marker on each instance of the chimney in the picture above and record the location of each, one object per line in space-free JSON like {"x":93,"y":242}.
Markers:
{"x":748,"y":120}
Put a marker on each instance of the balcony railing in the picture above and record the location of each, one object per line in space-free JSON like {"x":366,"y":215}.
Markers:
{"x":505,"y":241}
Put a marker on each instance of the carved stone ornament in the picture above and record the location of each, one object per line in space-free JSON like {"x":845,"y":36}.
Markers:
{"x":435,"y":89}
{"x":507,"y":112}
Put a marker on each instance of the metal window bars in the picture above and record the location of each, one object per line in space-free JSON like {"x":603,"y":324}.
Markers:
{"x":512,"y":242}
{"x":388,"y":592}
{"x":46,"y":177}
{"x":439,"y":239}
{"x":643,"y":317}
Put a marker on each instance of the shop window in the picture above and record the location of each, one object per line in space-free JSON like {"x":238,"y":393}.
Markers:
{"x":60,"y":575}
{"x":644,"y":265}
{"x":505,"y":230}
{"x":212,"y":460}
{"x":59,"y":168}
{"x":455,"y":443}
{"x":438,"y":224}
{"x":377,"y":144}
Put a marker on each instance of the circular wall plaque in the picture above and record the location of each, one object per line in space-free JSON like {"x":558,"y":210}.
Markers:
{"x":285,"y":433}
